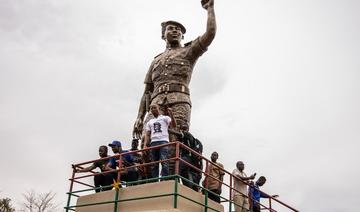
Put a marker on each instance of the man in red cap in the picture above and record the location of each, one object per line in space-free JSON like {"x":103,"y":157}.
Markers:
{"x":168,"y":78}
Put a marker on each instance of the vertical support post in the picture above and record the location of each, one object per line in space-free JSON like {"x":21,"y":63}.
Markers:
{"x":119,"y":171}
{"x":70,"y":190}
{"x":231,"y":191}
{"x":206,"y":200}
{"x":270,"y":207}
{"x":118,"y":181}
{"x":207,"y":172}
{"x":116,"y":200}
{"x":177,"y":155}
{"x":175,"y":191}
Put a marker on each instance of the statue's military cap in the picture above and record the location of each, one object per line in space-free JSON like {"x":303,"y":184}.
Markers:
{"x":164,"y":24}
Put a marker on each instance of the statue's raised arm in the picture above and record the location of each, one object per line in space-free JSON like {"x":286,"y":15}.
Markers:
{"x":209,"y":35}
{"x":168,"y":78}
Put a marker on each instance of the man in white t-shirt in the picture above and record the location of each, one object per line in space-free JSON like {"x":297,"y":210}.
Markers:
{"x":240,"y":193}
{"x":157,"y":134}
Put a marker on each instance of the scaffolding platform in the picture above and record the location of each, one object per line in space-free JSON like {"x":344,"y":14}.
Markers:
{"x":150,"y":195}
{"x":160,"y":197}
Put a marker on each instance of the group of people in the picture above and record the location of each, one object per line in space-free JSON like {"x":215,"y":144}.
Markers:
{"x":245,"y":194}
{"x":157,"y":134}
{"x":103,"y":182}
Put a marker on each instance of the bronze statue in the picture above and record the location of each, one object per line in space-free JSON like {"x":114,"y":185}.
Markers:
{"x":168,"y":77}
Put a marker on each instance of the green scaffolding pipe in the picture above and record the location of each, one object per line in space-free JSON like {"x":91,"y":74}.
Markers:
{"x":68,"y":201}
{"x":206,"y":200}
{"x":175,"y":192}
{"x":116,"y":200}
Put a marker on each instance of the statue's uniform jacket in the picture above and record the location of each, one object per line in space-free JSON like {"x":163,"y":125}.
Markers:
{"x":170,"y":75}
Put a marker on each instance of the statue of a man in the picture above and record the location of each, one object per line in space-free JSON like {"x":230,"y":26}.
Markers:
{"x":168,"y":78}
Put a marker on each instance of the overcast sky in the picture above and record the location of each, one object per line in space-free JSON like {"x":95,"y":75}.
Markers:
{"x":277,"y":89}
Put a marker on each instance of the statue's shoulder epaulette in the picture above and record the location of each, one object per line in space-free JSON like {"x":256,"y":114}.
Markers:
{"x":158,"y":55}
{"x":188,"y":43}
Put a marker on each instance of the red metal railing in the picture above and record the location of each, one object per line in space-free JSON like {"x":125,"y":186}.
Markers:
{"x":177,"y":159}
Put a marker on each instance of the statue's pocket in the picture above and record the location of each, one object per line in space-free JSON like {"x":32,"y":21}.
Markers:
{"x":180,"y":67}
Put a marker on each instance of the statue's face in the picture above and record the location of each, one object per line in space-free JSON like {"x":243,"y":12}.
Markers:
{"x":173,"y":33}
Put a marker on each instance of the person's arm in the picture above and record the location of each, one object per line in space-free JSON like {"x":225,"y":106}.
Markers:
{"x":87,"y":169}
{"x":147,"y":139}
{"x":205,"y":181}
{"x":263,"y":195}
{"x":129,"y":158}
{"x":246,"y":178}
{"x":221,"y":178}
{"x":173,"y":121}
{"x":109,"y":165}
{"x":144,"y":103}
{"x":138,"y":126}
{"x":209,"y":35}
{"x":177,"y":133}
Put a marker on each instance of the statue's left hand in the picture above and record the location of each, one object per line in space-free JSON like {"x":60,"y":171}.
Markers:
{"x":137,"y":130}
{"x":207,"y":3}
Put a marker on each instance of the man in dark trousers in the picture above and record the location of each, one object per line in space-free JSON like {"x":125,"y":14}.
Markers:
{"x":103,"y":179}
{"x":192,"y":175}
{"x":137,"y":158}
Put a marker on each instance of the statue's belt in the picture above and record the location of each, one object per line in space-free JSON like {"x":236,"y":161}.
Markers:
{"x":168,"y":88}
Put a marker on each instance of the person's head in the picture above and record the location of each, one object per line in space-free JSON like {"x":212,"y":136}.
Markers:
{"x":172,"y":32}
{"x":240,"y":165}
{"x":116,"y":147}
{"x":154,"y":109}
{"x":184,"y":127}
{"x":261,"y":181}
{"x":214,"y":156}
{"x":134,"y":144}
{"x":103,"y":151}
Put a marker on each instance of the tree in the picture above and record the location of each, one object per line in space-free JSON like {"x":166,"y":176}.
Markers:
{"x":5,"y":205}
{"x":43,"y":202}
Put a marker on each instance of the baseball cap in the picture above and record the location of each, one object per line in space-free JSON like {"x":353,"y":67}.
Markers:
{"x":115,"y":144}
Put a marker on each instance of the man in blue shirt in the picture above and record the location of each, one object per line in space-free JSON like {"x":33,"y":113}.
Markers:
{"x":128,"y":175}
{"x":255,"y":194}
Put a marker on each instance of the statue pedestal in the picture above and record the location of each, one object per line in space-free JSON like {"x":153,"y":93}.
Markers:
{"x":163,"y":199}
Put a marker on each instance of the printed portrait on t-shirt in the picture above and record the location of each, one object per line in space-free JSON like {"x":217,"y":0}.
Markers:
{"x":157,"y":127}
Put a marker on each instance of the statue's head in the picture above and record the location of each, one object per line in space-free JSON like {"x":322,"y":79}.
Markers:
{"x":172,"y":31}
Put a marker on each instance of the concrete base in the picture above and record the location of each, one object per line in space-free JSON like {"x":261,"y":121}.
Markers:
{"x":157,"y":204}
